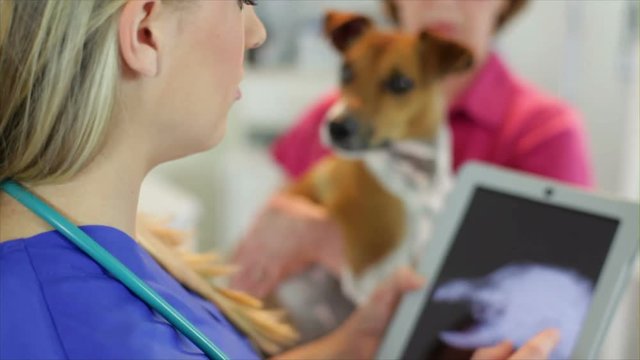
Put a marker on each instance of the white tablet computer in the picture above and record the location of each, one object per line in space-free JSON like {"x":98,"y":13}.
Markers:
{"x":512,"y":255}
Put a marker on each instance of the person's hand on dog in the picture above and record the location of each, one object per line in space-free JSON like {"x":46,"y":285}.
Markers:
{"x":290,"y":234}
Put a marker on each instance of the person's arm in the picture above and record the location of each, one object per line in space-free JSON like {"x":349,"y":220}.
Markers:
{"x":290,"y":234}
{"x":332,"y":346}
{"x":537,"y":348}
{"x":360,"y":336}
{"x":337,"y":346}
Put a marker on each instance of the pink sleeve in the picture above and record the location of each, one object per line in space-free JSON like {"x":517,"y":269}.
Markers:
{"x":300,"y":147}
{"x":556,"y":150}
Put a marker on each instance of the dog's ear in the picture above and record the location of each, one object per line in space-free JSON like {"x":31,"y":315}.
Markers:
{"x":344,"y":28}
{"x":449,"y":57}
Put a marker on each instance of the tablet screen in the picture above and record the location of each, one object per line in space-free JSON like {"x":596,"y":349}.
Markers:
{"x":516,"y":267}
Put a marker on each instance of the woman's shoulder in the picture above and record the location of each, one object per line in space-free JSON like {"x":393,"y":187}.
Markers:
{"x":23,"y":308}
{"x":43,"y":283}
{"x":59,"y":303}
{"x":53,"y":297}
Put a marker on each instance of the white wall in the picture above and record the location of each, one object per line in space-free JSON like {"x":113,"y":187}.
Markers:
{"x":578,"y":51}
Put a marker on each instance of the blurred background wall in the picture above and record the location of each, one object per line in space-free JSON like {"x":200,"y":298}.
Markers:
{"x":585,"y":52}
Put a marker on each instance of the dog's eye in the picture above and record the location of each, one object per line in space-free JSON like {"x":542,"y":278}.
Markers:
{"x":346,"y":74}
{"x":398,"y":84}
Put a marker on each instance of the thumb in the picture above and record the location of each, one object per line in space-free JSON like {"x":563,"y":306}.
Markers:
{"x":384,"y":300}
{"x":500,"y":351}
{"x":404,"y":279}
{"x":540,"y":347}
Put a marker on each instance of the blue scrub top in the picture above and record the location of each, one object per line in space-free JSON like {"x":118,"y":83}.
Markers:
{"x":56,"y":302}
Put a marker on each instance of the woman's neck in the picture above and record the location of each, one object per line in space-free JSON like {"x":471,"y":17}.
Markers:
{"x":105,"y":193}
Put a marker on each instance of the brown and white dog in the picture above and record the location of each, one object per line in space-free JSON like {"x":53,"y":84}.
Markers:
{"x":392,"y":165}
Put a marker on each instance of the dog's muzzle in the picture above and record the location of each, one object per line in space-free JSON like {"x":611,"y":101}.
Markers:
{"x":349,"y":134}
{"x":345,"y":133}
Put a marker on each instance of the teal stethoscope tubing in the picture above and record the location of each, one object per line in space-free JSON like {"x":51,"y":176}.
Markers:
{"x":113,"y":266}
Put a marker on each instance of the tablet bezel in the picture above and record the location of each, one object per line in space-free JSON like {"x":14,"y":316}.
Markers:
{"x":613,"y":277}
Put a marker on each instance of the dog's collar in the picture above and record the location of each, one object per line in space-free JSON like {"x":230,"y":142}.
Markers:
{"x":419,"y":155}
{"x":407,"y":150}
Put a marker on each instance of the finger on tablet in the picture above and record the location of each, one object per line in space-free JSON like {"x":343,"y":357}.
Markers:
{"x":497,"y":352}
{"x":539,"y":347}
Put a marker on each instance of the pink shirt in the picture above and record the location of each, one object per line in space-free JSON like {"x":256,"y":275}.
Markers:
{"x":498,"y":119}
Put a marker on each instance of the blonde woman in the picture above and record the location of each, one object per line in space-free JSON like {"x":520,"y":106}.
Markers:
{"x":94,"y":94}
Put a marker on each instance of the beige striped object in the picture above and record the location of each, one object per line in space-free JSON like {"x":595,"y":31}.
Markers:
{"x":265,"y":328}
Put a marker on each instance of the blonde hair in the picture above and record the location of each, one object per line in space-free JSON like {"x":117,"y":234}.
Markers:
{"x":59,"y":67}
{"x":59,"y":75}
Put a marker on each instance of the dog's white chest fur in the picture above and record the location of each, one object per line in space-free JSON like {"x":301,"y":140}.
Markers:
{"x":419,"y":173}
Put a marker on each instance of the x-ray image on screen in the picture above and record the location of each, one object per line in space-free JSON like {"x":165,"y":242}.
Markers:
{"x":515,"y":268}
{"x":513,"y":303}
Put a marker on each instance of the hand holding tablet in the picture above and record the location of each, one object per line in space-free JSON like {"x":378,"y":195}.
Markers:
{"x":513,"y":255}
{"x":538,"y":348}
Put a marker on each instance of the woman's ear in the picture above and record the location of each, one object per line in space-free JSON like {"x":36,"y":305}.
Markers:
{"x":138,"y":33}
{"x":344,"y":28}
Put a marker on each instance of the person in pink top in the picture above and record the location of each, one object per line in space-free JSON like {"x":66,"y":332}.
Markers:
{"x":498,"y":118}
{"x":495,"y":117}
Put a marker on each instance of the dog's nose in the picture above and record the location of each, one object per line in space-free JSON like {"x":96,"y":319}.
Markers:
{"x":343,"y":129}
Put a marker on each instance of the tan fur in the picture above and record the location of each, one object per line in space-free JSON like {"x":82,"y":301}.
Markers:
{"x":416,"y":115}
{"x":372,"y":219}
{"x":265,"y":328}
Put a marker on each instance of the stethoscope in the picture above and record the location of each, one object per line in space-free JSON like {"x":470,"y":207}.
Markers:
{"x":113,"y":266}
